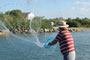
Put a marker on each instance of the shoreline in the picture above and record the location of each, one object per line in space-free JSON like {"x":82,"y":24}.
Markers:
{"x":76,"y":29}
{"x":55,"y":29}
{"x":4,"y":32}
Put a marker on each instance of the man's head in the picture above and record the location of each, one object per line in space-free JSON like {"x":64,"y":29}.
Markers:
{"x":63,"y":24}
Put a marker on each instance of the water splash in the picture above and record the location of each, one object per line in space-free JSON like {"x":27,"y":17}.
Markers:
{"x":36,"y":30}
{"x":33,"y":31}
{"x":34,"y":27}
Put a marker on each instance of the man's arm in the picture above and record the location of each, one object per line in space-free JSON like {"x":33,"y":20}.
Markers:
{"x":52,"y":43}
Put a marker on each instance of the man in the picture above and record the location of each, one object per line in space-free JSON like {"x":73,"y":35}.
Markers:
{"x":66,"y":42}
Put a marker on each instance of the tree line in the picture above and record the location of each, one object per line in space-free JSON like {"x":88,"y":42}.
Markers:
{"x":15,"y":19}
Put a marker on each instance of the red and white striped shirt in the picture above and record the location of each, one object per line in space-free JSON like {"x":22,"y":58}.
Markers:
{"x":65,"y":41}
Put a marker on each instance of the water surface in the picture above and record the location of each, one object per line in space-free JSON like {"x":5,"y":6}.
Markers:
{"x":12,"y":48}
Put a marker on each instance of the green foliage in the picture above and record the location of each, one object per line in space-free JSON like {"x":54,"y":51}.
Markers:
{"x":15,"y":20}
{"x":36,"y":23}
{"x":77,"y":22}
{"x":1,"y":16}
{"x":45,"y":24}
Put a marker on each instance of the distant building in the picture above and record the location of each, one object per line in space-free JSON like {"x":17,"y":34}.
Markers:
{"x":51,"y":23}
{"x":28,"y":15}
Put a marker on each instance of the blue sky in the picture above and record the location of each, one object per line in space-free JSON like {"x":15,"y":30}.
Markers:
{"x":49,"y":8}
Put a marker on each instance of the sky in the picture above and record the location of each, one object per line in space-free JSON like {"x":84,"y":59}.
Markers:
{"x":49,"y":8}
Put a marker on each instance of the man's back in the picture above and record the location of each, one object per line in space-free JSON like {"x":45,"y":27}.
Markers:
{"x":65,"y":40}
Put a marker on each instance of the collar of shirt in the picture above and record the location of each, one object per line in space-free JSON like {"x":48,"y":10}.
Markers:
{"x":62,"y":29}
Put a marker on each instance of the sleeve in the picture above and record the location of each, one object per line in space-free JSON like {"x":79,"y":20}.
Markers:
{"x":58,"y":37}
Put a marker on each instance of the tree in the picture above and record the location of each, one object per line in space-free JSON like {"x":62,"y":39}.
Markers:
{"x":15,"y":18}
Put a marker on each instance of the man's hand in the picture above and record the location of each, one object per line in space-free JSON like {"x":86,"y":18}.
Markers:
{"x":49,"y":44}
{"x":52,"y":43}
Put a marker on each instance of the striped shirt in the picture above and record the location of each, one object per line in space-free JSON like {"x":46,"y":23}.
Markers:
{"x":65,"y":41}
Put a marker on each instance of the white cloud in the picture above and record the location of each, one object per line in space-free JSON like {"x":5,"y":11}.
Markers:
{"x":81,"y":9}
{"x":85,"y":4}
